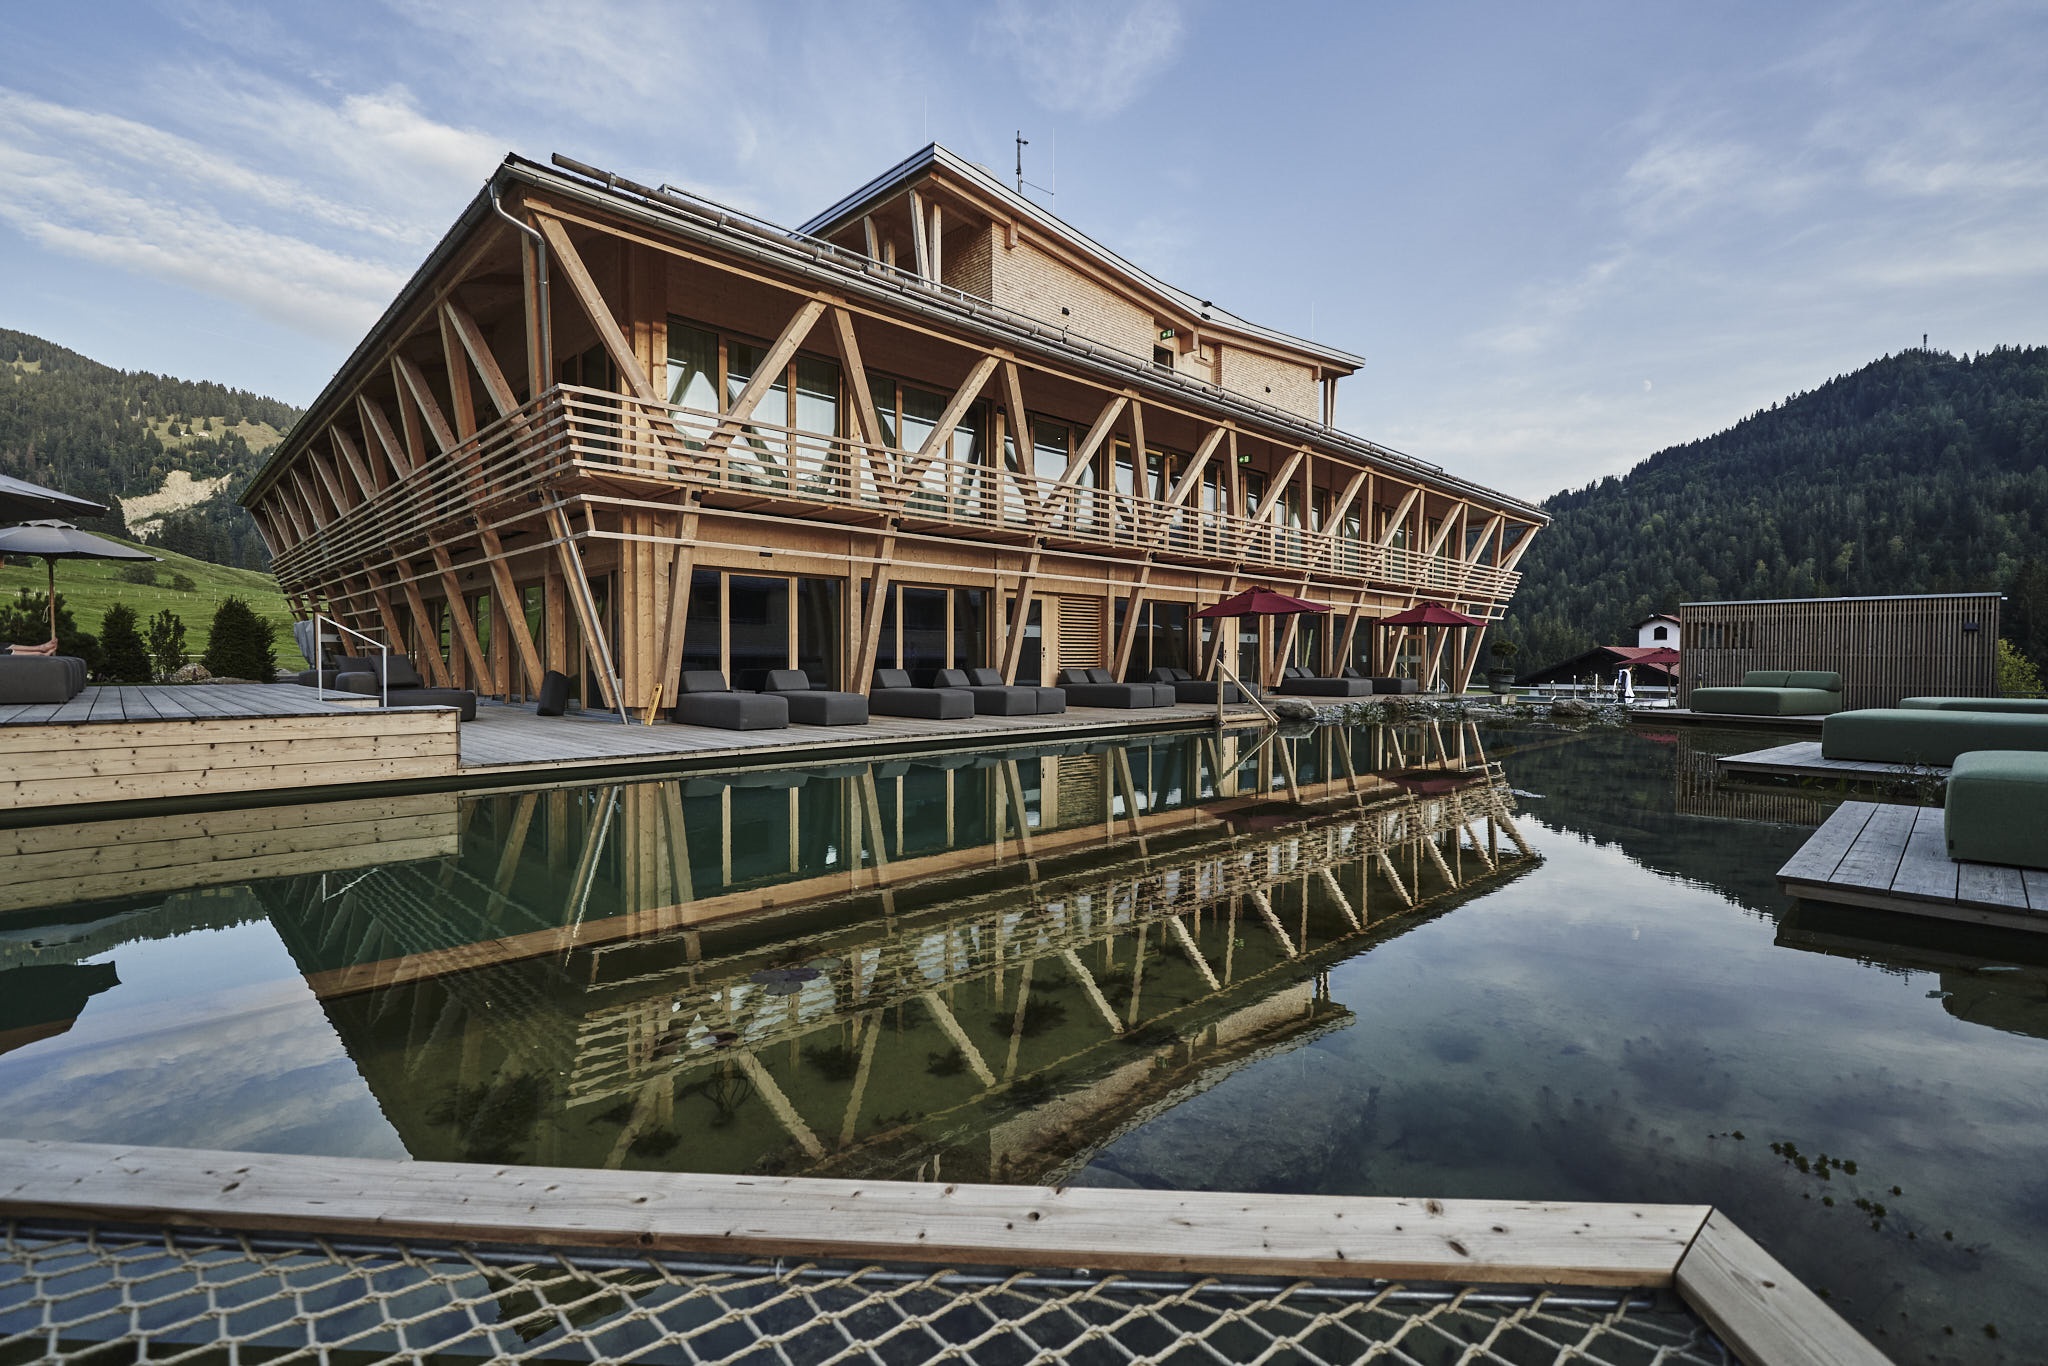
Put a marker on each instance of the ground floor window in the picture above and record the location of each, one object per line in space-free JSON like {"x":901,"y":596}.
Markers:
{"x":928,"y":629}
{"x":743,"y":625}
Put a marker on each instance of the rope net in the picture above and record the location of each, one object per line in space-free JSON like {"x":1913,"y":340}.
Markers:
{"x":76,"y":1293}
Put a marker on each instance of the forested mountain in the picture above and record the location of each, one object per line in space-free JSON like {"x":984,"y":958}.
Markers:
{"x":101,"y":433}
{"x":1920,"y":473}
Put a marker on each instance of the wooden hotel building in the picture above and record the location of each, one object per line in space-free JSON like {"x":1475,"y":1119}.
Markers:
{"x":619,"y":431}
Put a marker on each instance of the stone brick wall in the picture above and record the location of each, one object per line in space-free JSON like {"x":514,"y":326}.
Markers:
{"x":1291,"y":388}
{"x":1032,"y":281}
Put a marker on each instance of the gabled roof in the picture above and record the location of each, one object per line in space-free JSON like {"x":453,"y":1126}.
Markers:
{"x":933,"y":157}
{"x":1654,"y":616}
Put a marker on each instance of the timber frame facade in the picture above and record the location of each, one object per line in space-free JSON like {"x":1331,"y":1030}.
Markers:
{"x":617,"y":431}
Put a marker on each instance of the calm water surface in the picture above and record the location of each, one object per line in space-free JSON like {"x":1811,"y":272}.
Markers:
{"x":1459,"y":961}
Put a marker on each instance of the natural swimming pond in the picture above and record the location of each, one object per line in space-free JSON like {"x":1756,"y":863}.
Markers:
{"x":1449,"y":960}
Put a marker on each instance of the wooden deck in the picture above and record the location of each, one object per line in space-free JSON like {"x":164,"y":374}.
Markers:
{"x":175,"y":702}
{"x":1685,"y":716}
{"x":1894,"y":858}
{"x":1766,"y":1314}
{"x":1802,"y":759}
{"x":509,"y":740}
{"x":217,"y":744}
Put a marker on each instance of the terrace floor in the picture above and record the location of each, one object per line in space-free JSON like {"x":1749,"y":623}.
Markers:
{"x":1894,"y":858}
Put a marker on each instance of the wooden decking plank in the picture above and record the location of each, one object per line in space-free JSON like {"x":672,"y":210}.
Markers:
{"x":1991,"y":884}
{"x":1873,"y":860}
{"x":1926,"y":869}
{"x":1822,"y":853}
{"x":1762,"y":1310}
{"x":1181,"y":1231}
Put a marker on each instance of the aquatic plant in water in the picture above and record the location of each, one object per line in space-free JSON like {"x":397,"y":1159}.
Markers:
{"x":950,"y":1063}
{"x":834,"y":1061}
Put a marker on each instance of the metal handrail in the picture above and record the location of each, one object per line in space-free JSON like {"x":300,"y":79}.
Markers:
{"x":320,"y":620}
{"x":1219,"y":667}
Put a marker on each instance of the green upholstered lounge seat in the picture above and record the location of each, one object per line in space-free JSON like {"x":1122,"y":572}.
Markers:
{"x":1997,"y":808}
{"x":1898,"y":735}
{"x":1774,"y":692}
{"x":2025,"y":706}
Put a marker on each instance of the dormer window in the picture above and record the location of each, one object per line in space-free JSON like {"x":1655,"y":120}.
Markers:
{"x":1661,"y":633}
{"x":1162,"y":356}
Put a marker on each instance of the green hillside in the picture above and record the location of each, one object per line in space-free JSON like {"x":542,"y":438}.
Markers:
{"x":105,"y":434}
{"x":1920,"y":473}
{"x":90,"y":587}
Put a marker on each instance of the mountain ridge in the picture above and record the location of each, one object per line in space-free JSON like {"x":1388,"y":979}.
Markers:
{"x":106,"y":434}
{"x":1922,"y":472}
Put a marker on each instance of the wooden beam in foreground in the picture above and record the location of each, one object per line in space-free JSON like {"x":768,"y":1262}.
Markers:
{"x":1193,"y":1231}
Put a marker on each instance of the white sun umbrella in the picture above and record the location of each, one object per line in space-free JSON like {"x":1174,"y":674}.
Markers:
{"x":21,"y":500}
{"x":54,"y":541}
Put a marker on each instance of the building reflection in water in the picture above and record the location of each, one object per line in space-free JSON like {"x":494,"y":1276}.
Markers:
{"x":976,"y":967}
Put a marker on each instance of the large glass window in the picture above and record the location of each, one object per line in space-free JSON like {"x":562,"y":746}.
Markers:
{"x":742,"y":359}
{"x":924,"y":631}
{"x":819,"y":631}
{"x":693,"y":373}
{"x":970,"y":628}
{"x":703,"y":643}
{"x":757,"y":628}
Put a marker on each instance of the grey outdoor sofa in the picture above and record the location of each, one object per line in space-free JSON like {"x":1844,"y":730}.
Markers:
{"x":408,"y":689}
{"x":1187,"y":688}
{"x":1299,"y":682}
{"x":1051,"y":701}
{"x":892,"y":695}
{"x":32,"y":679}
{"x":1096,"y":688}
{"x":703,"y":699}
{"x":809,"y":706}
{"x":990,"y":699}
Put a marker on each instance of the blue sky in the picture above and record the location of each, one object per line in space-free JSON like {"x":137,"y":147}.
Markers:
{"x":1564,"y":235}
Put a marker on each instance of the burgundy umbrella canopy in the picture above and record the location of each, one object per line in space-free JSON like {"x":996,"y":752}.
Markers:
{"x":1430,"y":614}
{"x":1261,"y":602}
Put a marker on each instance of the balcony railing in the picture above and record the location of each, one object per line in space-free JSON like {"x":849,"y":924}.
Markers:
{"x":573,"y":437}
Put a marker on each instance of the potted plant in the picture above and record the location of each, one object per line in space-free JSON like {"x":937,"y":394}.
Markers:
{"x":1501,"y":677}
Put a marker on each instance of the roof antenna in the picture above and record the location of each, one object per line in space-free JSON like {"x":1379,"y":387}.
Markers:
{"x":1022,"y":143}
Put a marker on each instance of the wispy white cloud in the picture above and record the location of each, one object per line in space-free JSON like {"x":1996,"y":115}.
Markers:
{"x":1086,"y":57}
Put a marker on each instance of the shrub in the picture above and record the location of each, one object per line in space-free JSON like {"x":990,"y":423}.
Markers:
{"x":122,"y":655}
{"x":166,"y":644}
{"x":26,"y":621}
{"x":182,"y":583}
{"x":144,"y":574}
{"x":241,"y":645}
{"x":2017,"y":676}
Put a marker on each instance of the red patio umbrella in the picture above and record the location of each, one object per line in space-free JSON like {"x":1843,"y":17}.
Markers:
{"x":1261,"y":602}
{"x":1430,"y":614}
{"x":1253,"y":602}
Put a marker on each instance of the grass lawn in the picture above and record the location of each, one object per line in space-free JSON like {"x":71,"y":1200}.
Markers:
{"x":90,"y":587}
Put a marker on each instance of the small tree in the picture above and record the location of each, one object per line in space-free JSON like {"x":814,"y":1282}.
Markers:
{"x":2017,"y":676}
{"x":166,"y":644}
{"x":122,"y":655}
{"x":240,"y":644}
{"x":26,"y":621}
{"x":144,"y":574}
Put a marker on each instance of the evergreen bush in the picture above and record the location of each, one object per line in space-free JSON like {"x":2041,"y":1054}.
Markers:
{"x":241,"y":645}
{"x":166,"y":644}
{"x":123,"y":657}
{"x":26,"y":621}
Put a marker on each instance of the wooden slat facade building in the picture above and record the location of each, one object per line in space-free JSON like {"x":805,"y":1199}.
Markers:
{"x":619,"y":431}
{"x":1933,"y":645}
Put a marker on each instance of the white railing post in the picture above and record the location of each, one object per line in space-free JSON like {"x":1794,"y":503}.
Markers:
{"x":320,"y":621}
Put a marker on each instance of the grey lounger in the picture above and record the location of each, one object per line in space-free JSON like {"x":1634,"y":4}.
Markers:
{"x":1095,"y":688}
{"x":1299,"y":682}
{"x":1051,"y":701}
{"x":809,"y":706}
{"x":702,"y":699}
{"x":892,"y":695}
{"x":995,"y":700}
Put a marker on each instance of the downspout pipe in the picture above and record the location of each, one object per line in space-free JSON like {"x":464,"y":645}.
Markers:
{"x":540,"y":245}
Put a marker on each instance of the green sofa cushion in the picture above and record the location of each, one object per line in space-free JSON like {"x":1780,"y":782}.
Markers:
{"x":1997,"y":808}
{"x":1823,"y":679}
{"x":1758,"y":701}
{"x":1765,"y":678}
{"x":2026,"y":706}
{"x":1900,"y":735}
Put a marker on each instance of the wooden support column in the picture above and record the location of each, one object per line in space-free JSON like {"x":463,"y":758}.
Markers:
{"x":463,"y":625}
{"x":596,"y":644}
{"x":1013,"y":647}
{"x":439,"y":674}
{"x":682,"y":568}
{"x":871,"y":620}
{"x":1127,"y":640}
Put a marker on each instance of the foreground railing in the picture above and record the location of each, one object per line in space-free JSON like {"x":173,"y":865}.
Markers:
{"x":572,"y":431}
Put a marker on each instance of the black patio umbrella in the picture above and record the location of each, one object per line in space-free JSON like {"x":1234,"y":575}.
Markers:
{"x":21,"y":500}
{"x":54,"y":541}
